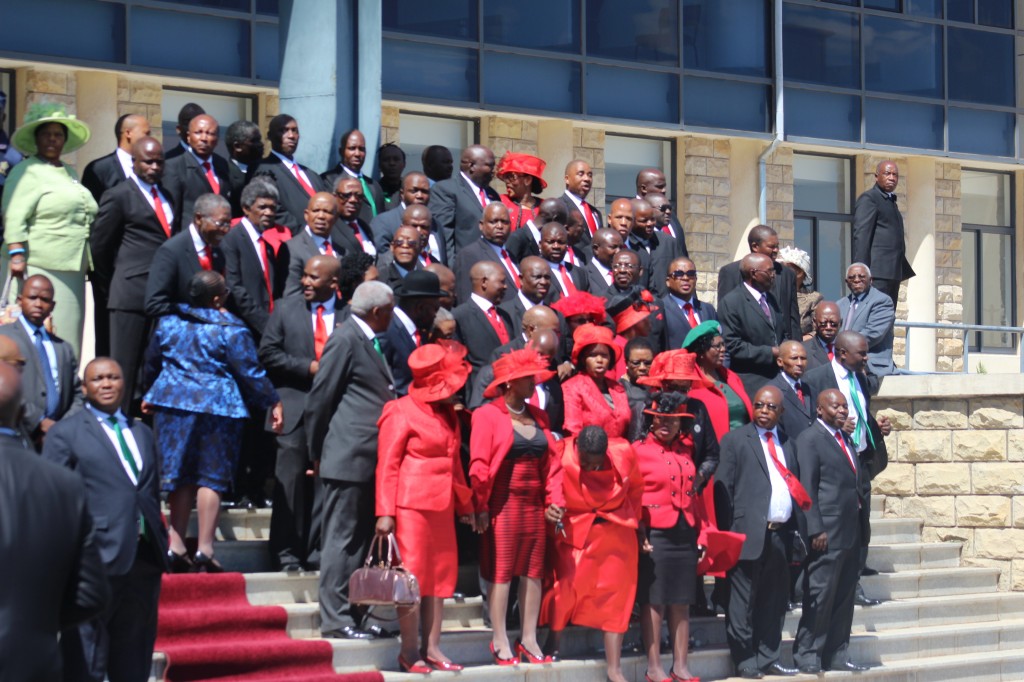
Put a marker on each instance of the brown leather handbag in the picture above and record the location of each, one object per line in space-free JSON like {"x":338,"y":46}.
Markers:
{"x":387,"y":583}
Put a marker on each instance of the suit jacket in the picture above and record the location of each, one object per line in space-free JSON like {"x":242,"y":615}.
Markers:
{"x":330,"y":179}
{"x":177,"y":148}
{"x":474,"y":331}
{"x":578,"y":275}
{"x":244,"y":275}
{"x":125,"y":237}
{"x":174,"y":264}
{"x":33,"y":387}
{"x":458,"y":211}
{"x":343,"y":233}
{"x":796,"y":416}
{"x":344,"y":404}
{"x":816,"y":354}
{"x":398,"y":346}
{"x":878,"y":239}
{"x":186,"y":181}
{"x":784,"y":289}
{"x":102,"y":174}
{"x":389,"y":273}
{"x":838,"y":499}
{"x":301,"y":248}
{"x":655,"y":264}
{"x":743,"y":488}
{"x":521,"y":244}
{"x":294,"y":199}
{"x":237,"y":179}
{"x":874,"y":318}
{"x":115,"y":503}
{"x":384,"y":226}
{"x":596,"y":281}
{"x":570,"y":206}
{"x":680,"y":237}
{"x":749,"y":336}
{"x":468,"y":256}
{"x":669,"y":332}
{"x":55,"y":577}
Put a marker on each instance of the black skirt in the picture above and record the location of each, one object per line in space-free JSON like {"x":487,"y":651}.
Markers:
{"x":668,"y":575}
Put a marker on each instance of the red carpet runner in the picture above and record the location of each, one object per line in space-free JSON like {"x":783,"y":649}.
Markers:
{"x":209,"y":631}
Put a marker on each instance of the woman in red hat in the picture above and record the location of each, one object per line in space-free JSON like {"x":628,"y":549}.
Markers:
{"x":632,"y":317}
{"x":510,"y":454}
{"x":672,"y":520}
{"x":521,"y":174}
{"x":592,"y":396}
{"x":420,"y":489}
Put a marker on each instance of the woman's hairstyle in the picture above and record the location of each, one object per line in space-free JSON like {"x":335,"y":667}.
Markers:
{"x":637,"y":343}
{"x":703,"y":344}
{"x":39,"y":129}
{"x":592,"y":440}
{"x":204,"y":286}
{"x":259,"y":188}
{"x":353,"y":271}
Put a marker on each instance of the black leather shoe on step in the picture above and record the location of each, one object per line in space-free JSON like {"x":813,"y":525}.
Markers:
{"x":347,"y":632}
{"x":850,"y":666}
{"x":777,"y":668}
{"x":750,"y":673}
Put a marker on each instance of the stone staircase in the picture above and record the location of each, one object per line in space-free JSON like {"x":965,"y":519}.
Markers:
{"x":943,"y":622}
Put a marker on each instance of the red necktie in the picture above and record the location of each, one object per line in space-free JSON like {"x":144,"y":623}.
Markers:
{"x":511,"y":268}
{"x":416,"y":336}
{"x":319,"y":333}
{"x":571,"y":256}
{"x":302,"y":181}
{"x":842,"y":444}
{"x":328,"y":249}
{"x":499,"y":326}
{"x":355,"y":228}
{"x":483,"y":198}
{"x":588,"y":215}
{"x":800,"y":495}
{"x":799,"y":391}
{"x":668,"y":230}
{"x":261,"y":246}
{"x":570,"y":288}
{"x":831,"y":353}
{"x":690,"y":317}
{"x":426,"y":258}
{"x":158,"y":206}
{"x":206,"y":258}
{"x":211,"y":177}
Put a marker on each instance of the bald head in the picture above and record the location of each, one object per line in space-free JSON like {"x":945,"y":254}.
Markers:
{"x":826,"y":321}
{"x":551,"y":211}
{"x":620,"y":217}
{"x":477,"y":162}
{"x":537,"y":318}
{"x":9,"y":353}
{"x":10,"y":396}
{"x":488,"y":280}
{"x":545,"y":342}
{"x":650,"y":180}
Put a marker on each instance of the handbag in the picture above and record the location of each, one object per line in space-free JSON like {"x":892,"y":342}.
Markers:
{"x":387,"y":583}
{"x":9,"y":312}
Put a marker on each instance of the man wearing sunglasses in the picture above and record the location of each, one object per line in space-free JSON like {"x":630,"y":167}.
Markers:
{"x":821,"y":349}
{"x":683,"y":310}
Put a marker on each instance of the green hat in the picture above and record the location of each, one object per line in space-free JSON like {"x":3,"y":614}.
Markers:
{"x":41,"y":113}
{"x":708,"y":328}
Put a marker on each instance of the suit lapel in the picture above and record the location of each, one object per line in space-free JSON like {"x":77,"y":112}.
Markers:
{"x":113,"y":458}
{"x":760,"y":313}
{"x":758,"y":452}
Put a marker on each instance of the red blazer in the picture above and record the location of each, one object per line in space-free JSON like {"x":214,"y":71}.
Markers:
{"x":714,"y":400}
{"x":517,"y":214}
{"x":668,"y":485}
{"x":585,"y":405}
{"x":418,"y":464}
{"x":490,"y":440}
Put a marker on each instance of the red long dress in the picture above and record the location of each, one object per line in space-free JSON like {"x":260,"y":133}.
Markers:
{"x":585,"y":405}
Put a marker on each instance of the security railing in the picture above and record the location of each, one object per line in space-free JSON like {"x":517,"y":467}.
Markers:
{"x":964,"y":330}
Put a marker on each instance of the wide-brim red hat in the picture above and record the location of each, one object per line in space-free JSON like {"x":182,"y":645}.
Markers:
{"x":514,"y":162}
{"x":516,"y":365}
{"x":582,"y":303}
{"x":631,"y":316}
{"x":591,"y":335}
{"x":674,"y":365}
{"x":723,"y":551}
{"x":439,"y":370}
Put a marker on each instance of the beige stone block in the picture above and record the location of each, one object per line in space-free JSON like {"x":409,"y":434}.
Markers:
{"x":723,"y":226}
{"x":389,"y":117}
{"x":924,"y":446}
{"x":718,"y":206}
{"x":124,"y":88}
{"x":718,"y":168}
{"x":498,"y":126}
{"x":700,"y":243}
{"x":593,"y":138}
{"x":723,"y":149}
{"x":584,"y":154}
{"x":897,"y":479}
{"x":1017,"y":575}
{"x":577,"y":137}
{"x":1002,"y":413}
{"x":530,"y":130}
{"x":723,"y":188}
{"x":699,"y":223}
{"x":389,"y":135}
{"x":1002,"y":478}
{"x":696,"y":165}
{"x":49,"y":82}
{"x":892,"y":505}
{"x":273,"y":105}
{"x":718,"y":243}
{"x":961,"y":535}
{"x":979,"y":446}
{"x":528,"y":147}
{"x":598,"y":160}
{"x":600,"y":182}
{"x":774,"y":175}
{"x":943,"y":479}
{"x":944,"y":188}
{"x":898,"y":412}
{"x":953,"y":206}
{"x":125,"y":108}
{"x":1015,"y":445}
{"x":782,"y":155}
{"x":699,"y":146}
{"x":779,"y":211}
{"x":939,"y":511}
{"x":706,"y":262}
{"x":146,"y":92}
{"x":952,"y":171}
{"x":1018,"y":512}
{"x":695,"y":204}
{"x":699,"y":184}
{"x":892,"y":445}
{"x":1001,"y":543}
{"x":940,"y":414}
{"x":989,"y":511}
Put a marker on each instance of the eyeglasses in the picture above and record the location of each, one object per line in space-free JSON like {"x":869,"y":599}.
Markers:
{"x":222,"y":224}
{"x":348,"y":195}
{"x":624,"y":266}
{"x":827,"y":323}
{"x":665,"y":208}
{"x":771,"y":407}
{"x":683,"y":274}
{"x":718,"y":346}
{"x":405,"y":242}
{"x":855,"y":278}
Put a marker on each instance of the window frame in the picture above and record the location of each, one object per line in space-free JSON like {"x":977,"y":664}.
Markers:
{"x":816,"y":216}
{"x":668,"y":167}
{"x":472,"y":121}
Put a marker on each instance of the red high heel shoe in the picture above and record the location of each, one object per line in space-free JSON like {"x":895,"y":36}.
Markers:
{"x":526,"y":656}
{"x":676,"y":678}
{"x":438,"y":664}
{"x":408,"y":667}
{"x":503,"y":661}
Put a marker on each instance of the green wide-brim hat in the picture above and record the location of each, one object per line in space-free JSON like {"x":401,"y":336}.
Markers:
{"x":41,"y":113}
{"x":708,"y":328}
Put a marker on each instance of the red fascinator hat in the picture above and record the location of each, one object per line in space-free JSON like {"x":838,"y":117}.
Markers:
{"x":514,"y":162}
{"x":581,"y":303}
{"x":438,"y":371}
{"x":516,"y":365}
{"x":590,"y":335}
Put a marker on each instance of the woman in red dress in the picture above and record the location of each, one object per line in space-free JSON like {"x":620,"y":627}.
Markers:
{"x":592,"y":397}
{"x":420,"y":487}
{"x":510,"y":454}
{"x":521,"y":174}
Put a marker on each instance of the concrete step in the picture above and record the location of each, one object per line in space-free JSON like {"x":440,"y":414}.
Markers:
{"x":914,"y":555}
{"x":238,"y":524}
{"x":888,"y":531}
{"x":934,"y":582}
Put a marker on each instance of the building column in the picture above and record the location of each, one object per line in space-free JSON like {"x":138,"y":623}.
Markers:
{"x":97,"y":106}
{"x":921,"y":228}
{"x":555,"y":146}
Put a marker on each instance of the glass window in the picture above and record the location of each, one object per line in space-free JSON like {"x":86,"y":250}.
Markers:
{"x":980,"y":132}
{"x":534,"y":24}
{"x":452,"y":72}
{"x":903,"y":124}
{"x":629,"y":93}
{"x":985,"y":198}
{"x":640,"y":31}
{"x":827,"y":115}
{"x":730,"y":37}
{"x":890,"y":5}
{"x":627,"y":156}
{"x":988,"y":255}
{"x":267,"y":7}
{"x":8,"y":121}
{"x":995,"y":13}
{"x":960,"y":10}
{"x":725,"y":104}
{"x":822,"y":207}
{"x":267,"y":58}
{"x":442,"y":18}
{"x":821,"y":46}
{"x":821,"y":183}
{"x":54,"y":27}
{"x":225,"y":108}
{"x":981,"y":67}
{"x":925,"y":8}
{"x":554,"y":84}
{"x":225,"y":42}
{"x":902,"y":57}
{"x":237,"y":5}
{"x":418,"y":132}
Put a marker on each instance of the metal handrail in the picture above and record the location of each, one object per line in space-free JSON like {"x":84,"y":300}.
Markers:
{"x":965,"y":329}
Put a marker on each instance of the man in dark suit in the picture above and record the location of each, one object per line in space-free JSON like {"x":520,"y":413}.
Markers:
{"x":764,"y":240}
{"x":292,"y":345}
{"x":50,"y":386}
{"x":666,"y":222}
{"x":295,"y":183}
{"x":418,"y":298}
{"x":878,"y":239}
{"x":566,"y":278}
{"x":116,"y":458}
{"x":415,"y":191}
{"x":245,"y":149}
{"x":130,"y":226}
{"x":821,"y":349}
{"x":526,"y":240}
{"x":458,"y":202}
{"x":320,"y":237}
{"x":752,"y":323}
{"x":186,"y":253}
{"x":494,"y":229}
{"x":535,"y":281}
{"x":352,"y":152}
{"x":870,"y":312}
{"x":481,"y":325}
{"x":437,"y":163}
{"x":353,"y":232}
{"x":107,"y":171}
{"x":796,"y":395}
{"x":756,"y":496}
{"x":579,"y":179}
{"x":54,"y":578}
{"x":197,"y":172}
{"x":402,"y":256}
{"x":605,"y":245}
{"x":682,"y":309}
{"x":656,"y":253}
{"x":185,"y":116}
{"x":342,"y":409}
{"x":836,"y":530}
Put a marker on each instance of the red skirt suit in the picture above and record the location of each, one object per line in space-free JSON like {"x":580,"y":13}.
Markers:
{"x":586,"y":405}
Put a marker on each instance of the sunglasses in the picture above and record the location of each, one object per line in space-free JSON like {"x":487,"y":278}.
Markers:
{"x":405,"y":242}
{"x":771,"y":407}
{"x":348,"y":195}
{"x":683,"y":274}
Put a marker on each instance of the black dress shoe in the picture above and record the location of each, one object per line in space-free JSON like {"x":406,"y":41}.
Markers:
{"x":868,"y":571}
{"x":851,"y":667}
{"x":347,"y":632}
{"x":379,"y":632}
{"x":810,"y":668}
{"x":862,"y":600}
{"x":750,"y":673}
{"x":777,"y":668}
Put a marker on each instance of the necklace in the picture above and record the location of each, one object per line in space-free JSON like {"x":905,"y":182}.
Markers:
{"x":514,"y":410}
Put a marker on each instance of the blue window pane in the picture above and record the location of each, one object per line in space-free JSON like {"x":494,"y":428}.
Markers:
{"x":890,"y":5}
{"x":534,"y":24}
{"x":980,"y":66}
{"x":980,"y":132}
{"x":444,"y":18}
{"x":821,"y":46}
{"x":554,"y":84}
{"x":826,"y":115}
{"x":714,"y":103}
{"x":995,"y":13}
{"x":730,"y":37}
{"x":903,"y":124}
{"x":925,"y":8}
{"x":960,"y":10}
{"x":225,"y":42}
{"x":267,"y":57}
{"x":54,"y":27}
{"x":430,"y":71}
{"x":639,"y":31}
{"x":625,"y":93}
{"x":904,"y":57}
{"x":237,"y":5}
{"x":267,"y":7}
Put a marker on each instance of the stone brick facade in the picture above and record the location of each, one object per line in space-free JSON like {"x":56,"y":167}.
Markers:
{"x":588,"y":144}
{"x":705,"y":208}
{"x":779,"y":208}
{"x":47,"y":85}
{"x":389,"y":125}
{"x":948,"y":266}
{"x":141,"y":96}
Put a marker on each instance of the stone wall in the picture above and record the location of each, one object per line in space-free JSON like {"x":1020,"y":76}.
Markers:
{"x":779,"y":205}
{"x":141,"y":96}
{"x":956,"y":460}
{"x":705,"y":208}
{"x":389,"y":125}
{"x":588,"y":145}
{"x":948,"y":267}
{"x":47,"y":85}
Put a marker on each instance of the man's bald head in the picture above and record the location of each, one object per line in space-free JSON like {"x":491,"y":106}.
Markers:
{"x":539,"y":317}
{"x":9,"y":352}
{"x":489,"y":281}
{"x":545,"y":342}
{"x":10,"y":396}
{"x":650,"y":180}
{"x":551,"y":211}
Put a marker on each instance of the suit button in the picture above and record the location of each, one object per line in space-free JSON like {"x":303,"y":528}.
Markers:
{"x":673,"y":493}
{"x":672,"y":478}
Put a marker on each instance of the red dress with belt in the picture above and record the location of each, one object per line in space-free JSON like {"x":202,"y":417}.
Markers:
{"x":586,"y":405}
{"x":421,"y":484}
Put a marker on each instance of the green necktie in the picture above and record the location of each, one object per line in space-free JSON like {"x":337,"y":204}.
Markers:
{"x":126,"y":453}
{"x":367,"y":195}
{"x":862,"y":420}
{"x":376,"y":347}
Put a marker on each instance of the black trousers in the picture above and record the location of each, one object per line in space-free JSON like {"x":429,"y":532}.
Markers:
{"x":295,"y":494}
{"x":758,"y":592}
{"x":348,"y":528}
{"x":889,"y":287}
{"x":830,"y":581}
{"x":130,"y":335}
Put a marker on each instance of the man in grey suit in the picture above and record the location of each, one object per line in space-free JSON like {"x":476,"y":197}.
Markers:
{"x":347,"y":397}
{"x":871,"y":312}
{"x":878,"y":239}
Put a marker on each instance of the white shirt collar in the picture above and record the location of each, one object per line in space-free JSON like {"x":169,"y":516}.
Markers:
{"x":284,"y":159}
{"x":754,"y":292}
{"x":406,"y":321}
{"x":526,"y":302}
{"x":125,"y":159}
{"x":244,"y":167}
{"x":370,"y":334}
{"x":197,"y":241}
{"x":476,"y":189}
{"x":481,"y":302}
{"x":575,"y":199}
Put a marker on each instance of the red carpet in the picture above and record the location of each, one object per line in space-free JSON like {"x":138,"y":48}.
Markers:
{"x":209,"y":631}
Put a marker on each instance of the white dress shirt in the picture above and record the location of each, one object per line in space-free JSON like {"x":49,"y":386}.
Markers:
{"x":780,"y":507}
{"x":254,"y":237}
{"x":147,"y":192}
{"x":126,"y":161}
{"x":129,"y":439}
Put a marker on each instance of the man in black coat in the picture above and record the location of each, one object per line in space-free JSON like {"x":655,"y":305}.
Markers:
{"x":796,"y":395}
{"x":682,"y":310}
{"x":245,"y":149}
{"x":458,"y":202}
{"x":535,"y":281}
{"x":417,"y":300}
{"x":579,"y":180}
{"x":566,"y":278}
{"x":821,"y":348}
{"x":402,"y":256}
{"x":656,"y":252}
{"x":295,"y":183}
{"x":481,"y":325}
{"x":198,"y":171}
{"x":107,"y":171}
{"x":605,"y":245}
{"x":185,"y":115}
{"x":353,"y":232}
{"x":666,"y":222}
{"x":494,"y":230}
{"x":526,"y":240}
{"x":116,"y":458}
{"x":352,"y":152}
{"x":878,"y":238}
{"x":320,"y":237}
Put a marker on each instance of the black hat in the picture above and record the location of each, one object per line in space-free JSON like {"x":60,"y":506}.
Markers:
{"x":420,"y":284}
